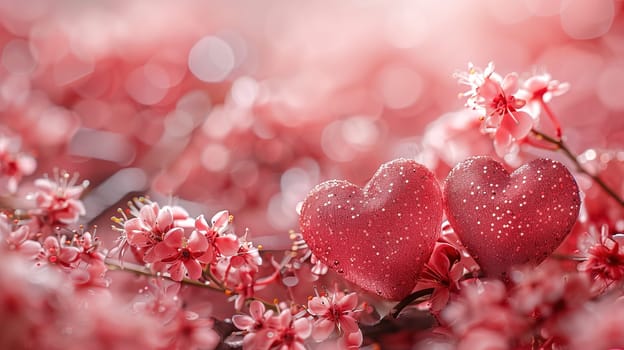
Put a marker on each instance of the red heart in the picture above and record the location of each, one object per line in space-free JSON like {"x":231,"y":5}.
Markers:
{"x":378,"y":237}
{"x":505,"y":220}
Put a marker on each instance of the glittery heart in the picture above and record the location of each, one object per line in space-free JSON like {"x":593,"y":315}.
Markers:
{"x":380,"y":236}
{"x":510,"y":219}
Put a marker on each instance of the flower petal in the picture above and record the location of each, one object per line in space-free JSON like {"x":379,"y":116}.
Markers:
{"x":163,"y":251}
{"x":318,"y":305}
{"x":30,"y":249}
{"x":256,"y":310}
{"x":197,"y":242}
{"x":174,"y":237}
{"x":303,"y":327}
{"x":518,"y":123}
{"x":220,"y":221}
{"x":227,"y":245}
{"x":176,"y":271}
{"x":502,"y":142}
{"x":147,"y":214}
{"x":243,"y":322}
{"x":201,"y":224}
{"x":193,"y":268}
{"x":348,"y":324}
{"x":347,"y":302}
{"x":322,"y":329}
{"x":164,"y":219}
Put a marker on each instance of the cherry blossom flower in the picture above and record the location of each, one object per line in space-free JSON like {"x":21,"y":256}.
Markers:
{"x":18,"y":241}
{"x":219,"y":242}
{"x":541,"y":87}
{"x":242,"y":281}
{"x":145,"y":226}
{"x":55,"y":252}
{"x":247,"y":255}
{"x":14,"y":165}
{"x":255,"y":324}
{"x":605,"y":256}
{"x":442,"y":273}
{"x":290,"y":332}
{"x":264,"y":330}
{"x":538,"y":90}
{"x":335,"y":312}
{"x":494,"y":95}
{"x":58,"y":201}
{"x":89,"y":247}
{"x":148,"y":229}
{"x":181,"y":256}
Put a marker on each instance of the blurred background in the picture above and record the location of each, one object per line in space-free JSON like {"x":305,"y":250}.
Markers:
{"x":247,"y":105}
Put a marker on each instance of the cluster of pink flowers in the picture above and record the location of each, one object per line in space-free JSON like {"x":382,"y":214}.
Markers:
{"x":510,"y":108}
{"x":288,"y":329}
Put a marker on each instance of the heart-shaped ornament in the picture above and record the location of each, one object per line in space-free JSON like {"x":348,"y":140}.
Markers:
{"x":380,"y":236}
{"x":510,"y":219}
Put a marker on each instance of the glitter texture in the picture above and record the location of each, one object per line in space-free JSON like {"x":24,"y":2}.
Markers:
{"x":510,"y":219}
{"x":378,"y":237}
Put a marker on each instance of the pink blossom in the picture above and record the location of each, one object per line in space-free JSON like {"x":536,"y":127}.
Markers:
{"x":89,"y":247}
{"x":541,"y":87}
{"x":14,"y":165}
{"x":494,"y":95}
{"x":605,"y":256}
{"x":18,"y":241}
{"x":538,"y":90}
{"x":57,"y":201}
{"x":181,"y":256}
{"x":264,"y":330}
{"x":242,"y":281}
{"x":442,"y":273}
{"x":219,"y":243}
{"x":55,"y":252}
{"x":290,"y":334}
{"x":255,"y":324}
{"x":335,"y":312}
{"x":148,"y":229}
{"x":247,"y":255}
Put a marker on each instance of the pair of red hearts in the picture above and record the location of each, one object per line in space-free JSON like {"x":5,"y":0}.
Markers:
{"x":380,"y":236}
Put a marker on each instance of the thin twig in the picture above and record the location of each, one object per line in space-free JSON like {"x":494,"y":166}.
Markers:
{"x":409,"y":299}
{"x":568,"y":257}
{"x":114,"y":264}
{"x":564,"y":148}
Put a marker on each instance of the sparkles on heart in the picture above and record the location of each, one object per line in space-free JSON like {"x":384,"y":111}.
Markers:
{"x":510,"y":219}
{"x":380,"y":236}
